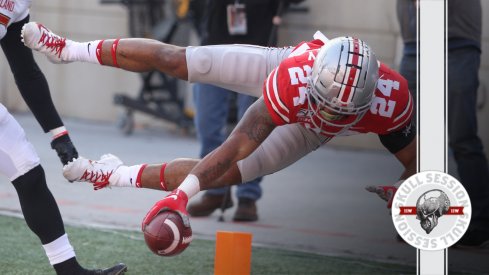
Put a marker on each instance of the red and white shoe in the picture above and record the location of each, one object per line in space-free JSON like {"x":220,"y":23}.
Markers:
{"x":99,"y":172}
{"x":39,"y":38}
{"x":385,"y":192}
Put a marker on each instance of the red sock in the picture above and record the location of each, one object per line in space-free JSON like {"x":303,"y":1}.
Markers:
{"x":113,"y":50}
{"x":140,"y":173}
{"x":162,"y":177}
{"x":98,"y":52}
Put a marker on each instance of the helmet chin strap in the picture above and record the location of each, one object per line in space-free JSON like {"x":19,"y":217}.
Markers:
{"x":341,"y":127}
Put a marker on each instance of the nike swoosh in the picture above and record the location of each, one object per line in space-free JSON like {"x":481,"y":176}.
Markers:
{"x":173,"y":197}
{"x":89,"y":48}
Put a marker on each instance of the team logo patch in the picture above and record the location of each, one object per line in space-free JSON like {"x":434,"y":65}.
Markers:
{"x":4,"y":20}
{"x":431,"y":210}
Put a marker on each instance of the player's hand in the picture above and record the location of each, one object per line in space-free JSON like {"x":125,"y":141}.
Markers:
{"x":175,"y":201}
{"x":384,"y":192}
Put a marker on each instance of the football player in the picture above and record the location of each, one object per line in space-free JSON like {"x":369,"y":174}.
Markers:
{"x":308,"y":94}
{"x":18,"y":159}
{"x":20,"y":163}
{"x":29,"y":78}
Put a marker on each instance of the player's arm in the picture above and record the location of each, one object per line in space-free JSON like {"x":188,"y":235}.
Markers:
{"x":255,"y":126}
{"x":402,"y":143}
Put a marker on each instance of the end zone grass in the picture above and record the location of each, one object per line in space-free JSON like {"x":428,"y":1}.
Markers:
{"x":21,"y":253}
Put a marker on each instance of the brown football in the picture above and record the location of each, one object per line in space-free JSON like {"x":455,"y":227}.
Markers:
{"x":166,"y":234}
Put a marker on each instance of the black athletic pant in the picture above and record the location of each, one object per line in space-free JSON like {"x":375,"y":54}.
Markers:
{"x":29,"y":78}
{"x":40,"y":210}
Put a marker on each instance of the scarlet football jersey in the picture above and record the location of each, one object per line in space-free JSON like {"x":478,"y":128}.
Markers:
{"x":285,"y":95}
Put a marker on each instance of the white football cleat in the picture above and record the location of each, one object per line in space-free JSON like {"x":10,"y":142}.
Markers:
{"x":39,"y":38}
{"x":97,"y":172}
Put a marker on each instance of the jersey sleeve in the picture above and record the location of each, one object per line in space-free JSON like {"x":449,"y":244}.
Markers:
{"x":405,"y":114}
{"x":275,"y":100}
{"x":306,"y":46}
{"x":397,"y":140}
{"x":395,"y":86}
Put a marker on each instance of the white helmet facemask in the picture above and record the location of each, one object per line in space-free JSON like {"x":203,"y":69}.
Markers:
{"x":342,"y":84}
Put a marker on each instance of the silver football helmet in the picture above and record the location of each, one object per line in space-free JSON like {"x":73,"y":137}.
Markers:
{"x":342,"y":83}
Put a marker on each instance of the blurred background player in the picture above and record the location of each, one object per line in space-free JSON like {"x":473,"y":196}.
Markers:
{"x":464,"y":59}
{"x":18,"y":159}
{"x":464,"y":52}
{"x":228,"y":22}
{"x":30,"y":80}
{"x":20,"y":163}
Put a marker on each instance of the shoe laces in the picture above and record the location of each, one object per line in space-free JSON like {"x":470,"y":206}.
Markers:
{"x":51,"y":41}
{"x":99,"y":179}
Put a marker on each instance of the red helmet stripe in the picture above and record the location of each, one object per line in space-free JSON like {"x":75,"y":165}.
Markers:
{"x":352,"y":73}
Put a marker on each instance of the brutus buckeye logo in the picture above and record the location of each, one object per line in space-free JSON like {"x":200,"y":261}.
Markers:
{"x":431,"y":210}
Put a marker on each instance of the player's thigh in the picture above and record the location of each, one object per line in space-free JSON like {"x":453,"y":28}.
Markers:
{"x":240,"y":68}
{"x":17,"y":155}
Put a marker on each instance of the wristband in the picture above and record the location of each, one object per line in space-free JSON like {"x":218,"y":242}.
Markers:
{"x":190,"y":185}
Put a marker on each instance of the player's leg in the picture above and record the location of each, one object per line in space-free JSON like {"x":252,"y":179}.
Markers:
{"x":240,"y":68}
{"x":20,"y":163}
{"x":109,"y":171}
{"x":472,"y":164}
{"x":132,"y":54}
{"x":285,"y":145}
{"x":35,"y":90}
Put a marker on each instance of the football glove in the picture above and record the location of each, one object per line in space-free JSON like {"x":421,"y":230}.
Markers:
{"x":175,"y":201}
{"x":385,"y":192}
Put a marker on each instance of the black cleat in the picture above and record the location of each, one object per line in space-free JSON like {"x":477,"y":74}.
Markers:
{"x":117,"y":269}
{"x":64,"y":148}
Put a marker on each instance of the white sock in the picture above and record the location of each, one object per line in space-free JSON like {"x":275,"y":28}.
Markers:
{"x":190,"y":185}
{"x":59,"y":250}
{"x":126,"y":176}
{"x":81,"y":51}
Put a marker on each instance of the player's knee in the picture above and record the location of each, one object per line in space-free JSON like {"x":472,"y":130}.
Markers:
{"x":171,"y":58}
{"x":32,"y":180}
{"x":202,"y":61}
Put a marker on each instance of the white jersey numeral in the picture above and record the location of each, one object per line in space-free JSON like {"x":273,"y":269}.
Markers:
{"x":381,"y":105}
{"x":298,"y":100}
{"x":297,"y":76}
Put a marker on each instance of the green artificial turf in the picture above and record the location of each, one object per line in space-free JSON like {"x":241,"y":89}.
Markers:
{"x":21,"y":253}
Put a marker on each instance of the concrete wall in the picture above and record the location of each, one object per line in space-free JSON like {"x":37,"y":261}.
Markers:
{"x":86,"y":91}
